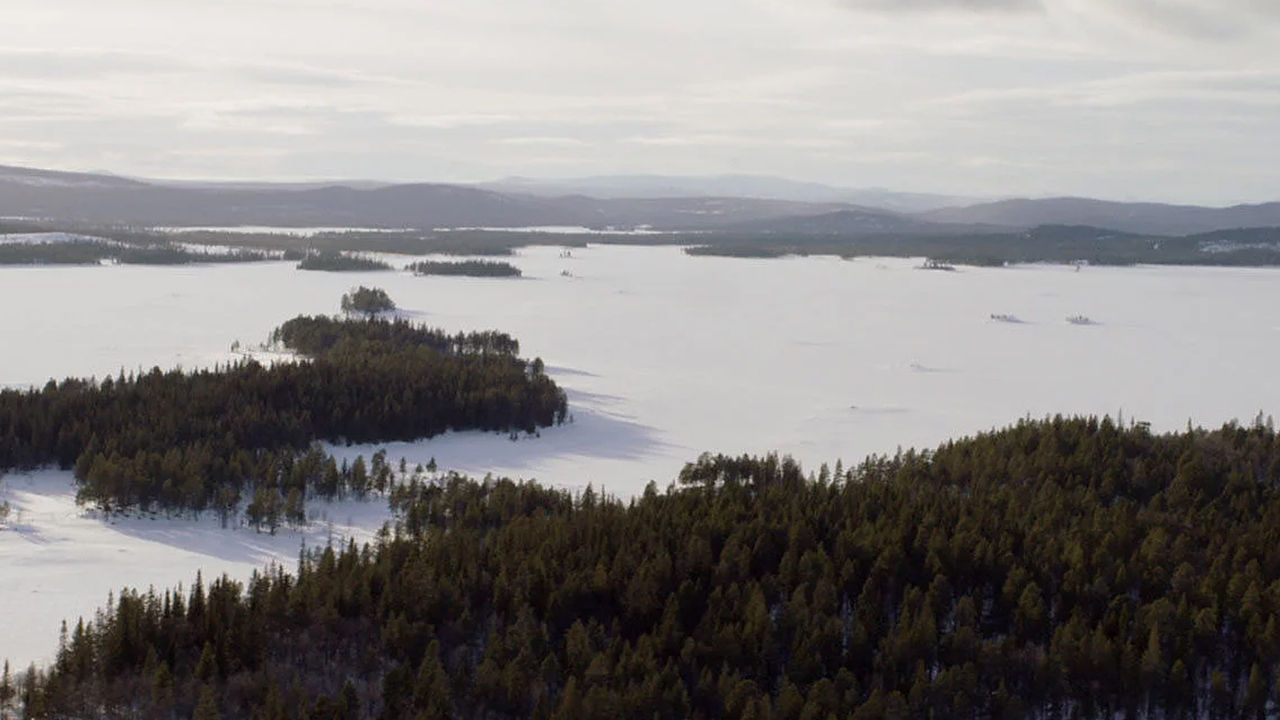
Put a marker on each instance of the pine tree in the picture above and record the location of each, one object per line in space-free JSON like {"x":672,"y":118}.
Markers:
{"x":7,"y":692}
{"x":207,"y":668}
{"x":431,"y":688}
{"x":207,"y":706}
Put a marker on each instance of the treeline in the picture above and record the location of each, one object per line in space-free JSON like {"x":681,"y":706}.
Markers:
{"x":92,"y":252}
{"x":400,"y":242}
{"x":470,"y":268}
{"x":1046,"y":243}
{"x":207,"y":439}
{"x":1056,"y":569}
{"x":340,"y":262}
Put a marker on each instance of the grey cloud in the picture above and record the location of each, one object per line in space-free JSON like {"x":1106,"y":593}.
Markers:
{"x":968,"y":96}
{"x":300,"y":76}
{"x":1223,"y":20}
{"x":1190,"y":18}
{"x":40,"y":64}
{"x":982,"y":6}
{"x":89,"y":64}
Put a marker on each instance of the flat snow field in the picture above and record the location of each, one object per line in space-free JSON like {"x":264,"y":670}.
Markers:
{"x":663,"y":355}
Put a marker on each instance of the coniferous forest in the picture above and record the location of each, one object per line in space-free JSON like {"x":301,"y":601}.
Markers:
{"x":1065,"y":568}
{"x":194,"y":441}
{"x":470,"y":268}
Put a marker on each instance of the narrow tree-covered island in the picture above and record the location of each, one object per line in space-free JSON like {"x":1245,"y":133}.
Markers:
{"x":330,"y":261}
{"x":1067,"y":568}
{"x":469,"y":268}
{"x":208,"y":439}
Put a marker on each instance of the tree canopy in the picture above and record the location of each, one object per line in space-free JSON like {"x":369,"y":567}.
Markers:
{"x":1056,"y":569}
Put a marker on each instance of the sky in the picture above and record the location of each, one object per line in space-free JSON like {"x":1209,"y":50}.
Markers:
{"x":1172,"y":100}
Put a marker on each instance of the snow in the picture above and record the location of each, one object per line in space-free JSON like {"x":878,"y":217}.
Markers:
{"x":59,"y":562}
{"x":663,"y":355}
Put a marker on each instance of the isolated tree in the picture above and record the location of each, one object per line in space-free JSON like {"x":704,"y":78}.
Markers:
{"x":7,"y":692}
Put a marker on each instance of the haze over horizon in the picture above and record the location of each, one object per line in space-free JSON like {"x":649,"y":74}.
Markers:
{"x":1128,"y":100}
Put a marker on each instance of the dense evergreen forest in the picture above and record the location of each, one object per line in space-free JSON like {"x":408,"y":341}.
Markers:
{"x":470,"y":268}
{"x":340,"y":262}
{"x":209,"y":439}
{"x":1065,"y":568}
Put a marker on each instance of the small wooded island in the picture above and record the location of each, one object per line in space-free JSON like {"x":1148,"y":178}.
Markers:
{"x":369,"y":301}
{"x":329,"y":261}
{"x":469,"y":268}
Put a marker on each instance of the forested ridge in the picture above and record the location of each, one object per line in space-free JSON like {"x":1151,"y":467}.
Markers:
{"x":205,"y":439}
{"x":1056,"y":569}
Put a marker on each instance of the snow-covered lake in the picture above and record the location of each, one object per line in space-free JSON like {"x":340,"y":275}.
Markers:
{"x":663,"y":355}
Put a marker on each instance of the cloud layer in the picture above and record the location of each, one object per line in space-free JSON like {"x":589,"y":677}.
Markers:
{"x":1162,"y":99}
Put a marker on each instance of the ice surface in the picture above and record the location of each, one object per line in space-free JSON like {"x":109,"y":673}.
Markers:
{"x":664,"y":356}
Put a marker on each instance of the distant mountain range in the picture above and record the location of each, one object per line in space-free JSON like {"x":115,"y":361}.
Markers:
{"x":91,"y":198}
{"x":739,"y":204}
{"x":1145,"y":218}
{"x":737,"y":186}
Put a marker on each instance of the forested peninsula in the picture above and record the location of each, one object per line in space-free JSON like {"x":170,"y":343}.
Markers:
{"x":206,"y":439}
{"x":1056,"y":569}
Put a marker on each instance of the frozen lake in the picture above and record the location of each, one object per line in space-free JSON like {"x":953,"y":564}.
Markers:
{"x":664,"y":356}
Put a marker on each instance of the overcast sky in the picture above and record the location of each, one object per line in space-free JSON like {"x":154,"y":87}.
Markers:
{"x":1128,"y":99}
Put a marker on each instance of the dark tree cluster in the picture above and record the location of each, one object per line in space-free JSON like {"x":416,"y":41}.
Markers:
{"x":322,"y":335}
{"x":369,"y":301}
{"x":470,"y":268}
{"x":1066,"y":568}
{"x":92,"y":252}
{"x":207,"y":439}
{"x":329,"y":261}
